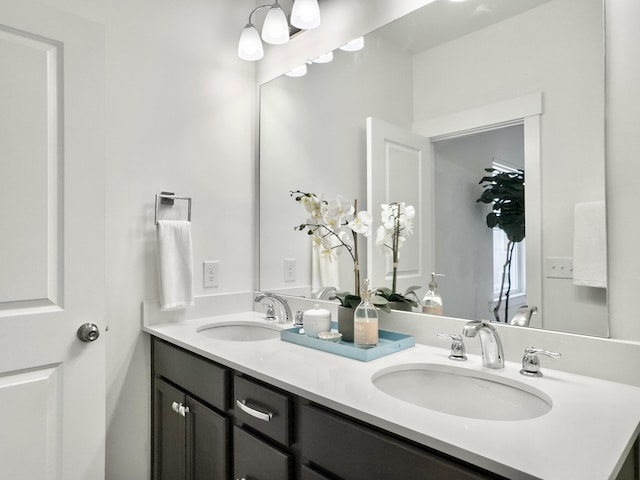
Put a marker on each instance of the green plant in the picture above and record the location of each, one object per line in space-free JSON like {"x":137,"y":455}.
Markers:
{"x":350,"y":300}
{"x":505,"y":190}
{"x":391,"y":296}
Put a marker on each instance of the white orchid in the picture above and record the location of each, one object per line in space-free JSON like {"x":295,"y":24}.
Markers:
{"x":397,"y":225}
{"x":338,"y":210}
{"x":361,"y":223}
{"x":334,"y":226}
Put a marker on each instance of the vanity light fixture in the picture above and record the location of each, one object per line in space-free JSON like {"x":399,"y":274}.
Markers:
{"x":300,"y":71}
{"x":354,"y":45}
{"x":324,"y":58}
{"x":305,"y":14}
{"x":275,"y":29}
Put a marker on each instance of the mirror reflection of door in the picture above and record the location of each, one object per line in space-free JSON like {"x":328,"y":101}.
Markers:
{"x":470,"y":254}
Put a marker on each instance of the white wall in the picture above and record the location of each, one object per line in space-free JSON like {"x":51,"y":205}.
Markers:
{"x":180,"y":117}
{"x":623,"y":167}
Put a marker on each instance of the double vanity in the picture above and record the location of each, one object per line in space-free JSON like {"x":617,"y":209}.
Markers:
{"x":232,"y":400}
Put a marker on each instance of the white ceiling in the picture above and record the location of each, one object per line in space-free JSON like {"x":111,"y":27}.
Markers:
{"x":444,"y":20}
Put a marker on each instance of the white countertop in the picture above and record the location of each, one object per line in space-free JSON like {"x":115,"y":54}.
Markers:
{"x":586,"y":435}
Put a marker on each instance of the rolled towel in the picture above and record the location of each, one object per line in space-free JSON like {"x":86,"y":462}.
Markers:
{"x":175,"y":264}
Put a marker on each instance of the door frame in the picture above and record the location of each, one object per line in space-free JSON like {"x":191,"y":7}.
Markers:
{"x":525,"y":110}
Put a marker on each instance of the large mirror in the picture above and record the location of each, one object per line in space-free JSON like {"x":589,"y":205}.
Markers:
{"x":488,"y":83}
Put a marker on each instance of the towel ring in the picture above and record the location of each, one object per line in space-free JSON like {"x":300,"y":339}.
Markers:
{"x":167,"y":198}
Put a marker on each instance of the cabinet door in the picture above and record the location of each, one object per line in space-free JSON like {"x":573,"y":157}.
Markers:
{"x":253,"y":459}
{"x":306,"y":473}
{"x":169,"y":447}
{"x":353,"y":452}
{"x":207,"y":434}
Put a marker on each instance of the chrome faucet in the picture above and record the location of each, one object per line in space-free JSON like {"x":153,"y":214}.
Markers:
{"x":522,"y":317}
{"x":492,"y":353}
{"x":325,"y":293}
{"x":284,"y":306}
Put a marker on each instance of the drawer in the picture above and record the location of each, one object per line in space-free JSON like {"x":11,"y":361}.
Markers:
{"x":307,"y":473}
{"x":200,"y":377}
{"x":256,"y":460}
{"x":353,"y":451}
{"x":263,"y":409}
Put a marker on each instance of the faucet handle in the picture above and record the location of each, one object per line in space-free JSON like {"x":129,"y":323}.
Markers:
{"x":531,"y":362}
{"x":271,"y":313}
{"x":457,"y":346}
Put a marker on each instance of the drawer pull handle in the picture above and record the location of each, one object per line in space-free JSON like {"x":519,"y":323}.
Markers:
{"x":253,"y":412}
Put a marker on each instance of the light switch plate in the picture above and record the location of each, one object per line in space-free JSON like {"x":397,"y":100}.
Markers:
{"x":289,"y":269}
{"x":559,"y":267}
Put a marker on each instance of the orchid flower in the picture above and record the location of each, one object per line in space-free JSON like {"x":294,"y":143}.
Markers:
{"x":334,"y":227}
{"x":361,"y":223}
{"x":397,"y":225}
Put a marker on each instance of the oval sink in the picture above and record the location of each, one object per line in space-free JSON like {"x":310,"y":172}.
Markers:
{"x":240,"y":331}
{"x":463,"y":392}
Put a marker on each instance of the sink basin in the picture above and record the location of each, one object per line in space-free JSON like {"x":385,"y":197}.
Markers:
{"x":463,"y":392}
{"x":240,"y":331}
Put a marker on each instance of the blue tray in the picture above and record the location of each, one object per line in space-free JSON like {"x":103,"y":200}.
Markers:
{"x":388,"y":342}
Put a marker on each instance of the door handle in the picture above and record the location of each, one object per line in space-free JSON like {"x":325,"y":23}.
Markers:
{"x":88,"y":332}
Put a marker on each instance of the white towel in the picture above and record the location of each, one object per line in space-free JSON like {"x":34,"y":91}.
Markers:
{"x":590,"y":245}
{"x":175,"y":264}
{"x":325,"y":268}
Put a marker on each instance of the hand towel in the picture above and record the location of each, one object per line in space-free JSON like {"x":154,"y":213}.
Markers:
{"x":325,"y":268}
{"x":175,"y":264}
{"x":590,"y":245}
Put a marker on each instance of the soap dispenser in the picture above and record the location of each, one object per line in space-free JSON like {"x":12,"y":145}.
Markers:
{"x":432,"y":301}
{"x":365,"y":321}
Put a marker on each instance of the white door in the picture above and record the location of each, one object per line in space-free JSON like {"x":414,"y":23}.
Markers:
{"x":400,"y":169}
{"x":52,"y":385}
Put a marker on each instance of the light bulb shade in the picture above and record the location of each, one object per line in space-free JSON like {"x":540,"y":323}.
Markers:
{"x":276,"y":28}
{"x":250,"y":45}
{"x":305,"y":14}
{"x":354,"y":45}
{"x":300,"y":71}
{"x":324,"y":58}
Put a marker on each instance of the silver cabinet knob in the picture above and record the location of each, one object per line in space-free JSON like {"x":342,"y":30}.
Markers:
{"x":88,"y":332}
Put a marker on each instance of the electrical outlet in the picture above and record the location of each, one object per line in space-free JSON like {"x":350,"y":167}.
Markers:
{"x":559,"y":267}
{"x":210,"y":272}
{"x":289,"y":269}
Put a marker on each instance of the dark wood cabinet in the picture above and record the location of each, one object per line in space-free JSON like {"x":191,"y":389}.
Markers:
{"x":353,"y":451}
{"x":207,"y":441}
{"x":210,"y":423}
{"x":169,"y":433}
{"x":190,"y":438}
{"x":256,"y":459}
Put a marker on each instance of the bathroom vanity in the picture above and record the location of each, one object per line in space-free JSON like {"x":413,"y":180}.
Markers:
{"x":210,"y":421}
{"x":326,"y":418}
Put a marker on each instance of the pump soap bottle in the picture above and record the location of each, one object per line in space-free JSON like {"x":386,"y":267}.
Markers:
{"x":365,"y":321}
{"x":432,"y":301}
